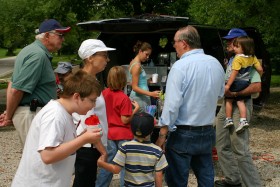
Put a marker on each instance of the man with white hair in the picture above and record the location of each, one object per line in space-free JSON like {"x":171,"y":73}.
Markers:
{"x":33,"y":81}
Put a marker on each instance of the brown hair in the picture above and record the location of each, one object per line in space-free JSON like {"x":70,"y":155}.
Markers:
{"x":81,"y":82}
{"x":116,"y":79}
{"x":143,"y":46}
{"x":246,"y":43}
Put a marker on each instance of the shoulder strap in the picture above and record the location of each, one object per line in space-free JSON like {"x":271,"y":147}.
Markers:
{"x":133,"y":65}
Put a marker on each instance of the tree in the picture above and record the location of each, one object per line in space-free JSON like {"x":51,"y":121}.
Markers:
{"x":262,"y":14}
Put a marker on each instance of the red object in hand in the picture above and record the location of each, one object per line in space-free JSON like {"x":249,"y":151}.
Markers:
{"x":92,"y":120}
{"x":214,"y":153}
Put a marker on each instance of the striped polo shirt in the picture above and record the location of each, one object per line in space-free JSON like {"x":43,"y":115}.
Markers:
{"x":141,"y":160}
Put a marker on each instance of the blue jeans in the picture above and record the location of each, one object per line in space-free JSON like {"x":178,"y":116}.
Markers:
{"x":190,"y":149}
{"x":104,"y":177}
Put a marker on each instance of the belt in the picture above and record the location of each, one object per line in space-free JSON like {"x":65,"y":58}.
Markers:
{"x":27,"y":105}
{"x":189,"y":128}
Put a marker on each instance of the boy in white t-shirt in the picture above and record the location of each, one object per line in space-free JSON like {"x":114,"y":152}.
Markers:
{"x":50,"y":148}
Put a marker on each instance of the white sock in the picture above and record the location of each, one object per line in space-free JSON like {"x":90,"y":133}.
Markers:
{"x":242,"y":119}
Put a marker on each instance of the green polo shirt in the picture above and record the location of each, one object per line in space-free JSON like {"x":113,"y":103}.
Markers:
{"x":33,"y":74}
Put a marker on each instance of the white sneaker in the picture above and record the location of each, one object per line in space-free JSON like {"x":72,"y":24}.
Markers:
{"x":242,"y":126}
{"x":228,"y":123}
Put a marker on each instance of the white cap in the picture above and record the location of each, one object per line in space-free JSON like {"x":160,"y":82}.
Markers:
{"x":92,"y":46}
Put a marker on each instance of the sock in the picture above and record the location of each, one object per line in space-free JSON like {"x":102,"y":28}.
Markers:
{"x":242,"y":119}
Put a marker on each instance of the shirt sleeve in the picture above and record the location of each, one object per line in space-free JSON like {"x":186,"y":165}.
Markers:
{"x":236,"y":63}
{"x":173,"y":98}
{"x":255,"y":76}
{"x":119,"y":158}
{"x":30,"y":73}
{"x":256,"y":62}
{"x":161,"y":164}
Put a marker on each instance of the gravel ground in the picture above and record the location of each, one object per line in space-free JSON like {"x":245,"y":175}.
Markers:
{"x":264,"y":142}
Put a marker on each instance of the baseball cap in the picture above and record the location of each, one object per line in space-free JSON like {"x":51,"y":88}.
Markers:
{"x":63,"y":67}
{"x":234,"y":33}
{"x":91,"y":46}
{"x":52,"y":24}
{"x":142,"y":124}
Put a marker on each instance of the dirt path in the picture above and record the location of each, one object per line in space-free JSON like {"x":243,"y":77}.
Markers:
{"x":264,"y":142}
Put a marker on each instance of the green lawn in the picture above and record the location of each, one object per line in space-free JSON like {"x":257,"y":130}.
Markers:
{"x":275,"y":81}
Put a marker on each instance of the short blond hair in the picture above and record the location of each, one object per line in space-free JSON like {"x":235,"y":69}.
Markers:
{"x":116,"y":79}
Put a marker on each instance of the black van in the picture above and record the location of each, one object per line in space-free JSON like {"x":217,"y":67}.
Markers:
{"x":123,"y":33}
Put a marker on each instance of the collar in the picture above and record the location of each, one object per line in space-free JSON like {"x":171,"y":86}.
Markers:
{"x":191,"y":52}
{"x":144,"y":141}
{"x":40,"y":44}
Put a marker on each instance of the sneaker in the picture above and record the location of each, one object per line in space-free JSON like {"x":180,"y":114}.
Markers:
{"x":228,"y":123}
{"x":242,"y":126}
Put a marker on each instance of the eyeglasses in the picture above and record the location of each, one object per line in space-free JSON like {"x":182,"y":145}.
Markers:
{"x":93,"y":101}
{"x":105,"y":55}
{"x":58,"y":34}
{"x":173,"y":42}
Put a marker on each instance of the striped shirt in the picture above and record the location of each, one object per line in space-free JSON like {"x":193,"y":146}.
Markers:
{"x":141,"y":160}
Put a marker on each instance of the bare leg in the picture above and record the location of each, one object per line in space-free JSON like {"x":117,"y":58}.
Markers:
{"x":229,"y":108}
{"x":242,"y":109}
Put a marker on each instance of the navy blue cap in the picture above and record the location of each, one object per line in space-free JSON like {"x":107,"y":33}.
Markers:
{"x":52,"y":24}
{"x":234,"y":33}
{"x":142,"y":124}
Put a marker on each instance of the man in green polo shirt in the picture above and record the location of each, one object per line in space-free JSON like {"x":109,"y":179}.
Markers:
{"x":33,"y":81}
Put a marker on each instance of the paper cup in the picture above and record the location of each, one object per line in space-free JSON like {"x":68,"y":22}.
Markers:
{"x":155,"y":78}
{"x":91,"y":127}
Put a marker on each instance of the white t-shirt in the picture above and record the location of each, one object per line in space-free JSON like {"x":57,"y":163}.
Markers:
{"x":100,"y":111}
{"x":52,"y":126}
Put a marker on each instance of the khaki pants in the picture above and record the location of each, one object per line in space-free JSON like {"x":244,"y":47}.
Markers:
{"x":233,"y":149}
{"x":22,"y":120}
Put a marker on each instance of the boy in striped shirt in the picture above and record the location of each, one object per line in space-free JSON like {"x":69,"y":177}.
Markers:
{"x":143,"y":161}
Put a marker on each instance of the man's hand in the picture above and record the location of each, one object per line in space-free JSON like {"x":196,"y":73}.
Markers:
{"x":3,"y":121}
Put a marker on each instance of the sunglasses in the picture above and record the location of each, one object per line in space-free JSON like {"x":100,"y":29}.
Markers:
{"x":58,"y":34}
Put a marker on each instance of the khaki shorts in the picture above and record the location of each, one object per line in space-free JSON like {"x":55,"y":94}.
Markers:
{"x":22,"y":120}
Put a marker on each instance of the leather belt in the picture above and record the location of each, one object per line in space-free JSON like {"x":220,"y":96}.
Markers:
{"x":27,"y":105}
{"x":189,"y":128}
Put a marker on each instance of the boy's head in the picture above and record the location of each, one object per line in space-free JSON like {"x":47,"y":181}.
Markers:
{"x":142,"y":124}
{"x":82,"y":83}
{"x":116,"y":79}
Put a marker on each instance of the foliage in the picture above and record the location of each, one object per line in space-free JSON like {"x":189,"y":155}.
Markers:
{"x":19,"y":18}
{"x":261,"y":14}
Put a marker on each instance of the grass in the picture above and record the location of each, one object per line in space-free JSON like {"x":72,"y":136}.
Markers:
{"x":275,"y":81}
{"x":3,"y":52}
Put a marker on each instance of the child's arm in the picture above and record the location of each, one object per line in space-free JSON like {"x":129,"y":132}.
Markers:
{"x":259,"y":70}
{"x":232,"y":77}
{"x":258,"y":66}
{"x":127,"y":119}
{"x":100,"y":147}
{"x":109,"y":167}
{"x":158,"y":179}
{"x":51,"y":155}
